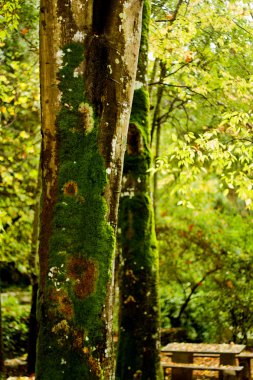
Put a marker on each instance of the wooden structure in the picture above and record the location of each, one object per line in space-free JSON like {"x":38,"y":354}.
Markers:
{"x":183,"y":359}
{"x":244,"y":359}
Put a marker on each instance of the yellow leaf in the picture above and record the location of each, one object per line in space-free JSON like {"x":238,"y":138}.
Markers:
{"x":24,"y":135}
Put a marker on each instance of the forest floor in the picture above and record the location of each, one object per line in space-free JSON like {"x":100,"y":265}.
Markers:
{"x":16,"y":370}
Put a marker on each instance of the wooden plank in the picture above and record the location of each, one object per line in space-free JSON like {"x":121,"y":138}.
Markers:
{"x":165,"y":354}
{"x":245,"y":354}
{"x":201,"y":367}
{"x":204,"y":348}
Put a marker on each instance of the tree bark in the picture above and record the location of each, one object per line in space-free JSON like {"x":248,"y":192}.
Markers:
{"x":156,"y":129}
{"x":138,"y":349}
{"x":88,"y":54}
{"x":1,"y":339}
{"x":33,"y":269}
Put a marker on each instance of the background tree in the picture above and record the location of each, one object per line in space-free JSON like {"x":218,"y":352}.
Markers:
{"x":88,"y":70}
{"x":138,"y":348}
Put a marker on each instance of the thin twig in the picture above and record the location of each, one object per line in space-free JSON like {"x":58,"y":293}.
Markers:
{"x":174,"y":14}
{"x":187,"y":117}
{"x":181,"y":67}
{"x":239,"y":26}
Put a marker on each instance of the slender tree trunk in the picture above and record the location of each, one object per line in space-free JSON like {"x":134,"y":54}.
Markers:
{"x":156,"y":123}
{"x":155,"y":180}
{"x":156,"y":129}
{"x":33,"y":330}
{"x":152,"y":78}
{"x":89,"y":51}
{"x":1,"y":339}
{"x":138,"y":349}
{"x":159,"y":97}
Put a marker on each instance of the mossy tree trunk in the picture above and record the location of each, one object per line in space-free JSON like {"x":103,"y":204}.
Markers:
{"x":138,"y":348}
{"x":88,"y":53}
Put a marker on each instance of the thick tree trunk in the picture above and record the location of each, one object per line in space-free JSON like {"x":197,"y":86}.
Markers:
{"x":89,"y":52}
{"x":138,"y":349}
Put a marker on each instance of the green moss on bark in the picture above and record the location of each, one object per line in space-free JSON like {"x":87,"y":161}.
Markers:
{"x":138,"y":155}
{"x":138,"y":352}
{"x":138,"y":336}
{"x":138,"y":348}
{"x":143,"y":54}
{"x":82,"y":242}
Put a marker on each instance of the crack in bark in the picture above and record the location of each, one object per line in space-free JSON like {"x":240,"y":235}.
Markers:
{"x":101,"y":15}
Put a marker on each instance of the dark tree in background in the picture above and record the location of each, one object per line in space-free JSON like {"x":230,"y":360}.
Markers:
{"x":138,"y":351}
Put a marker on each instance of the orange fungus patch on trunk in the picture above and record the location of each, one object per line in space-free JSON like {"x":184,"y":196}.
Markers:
{"x":84,"y":274}
{"x":62,"y":303}
{"x":70,"y":188}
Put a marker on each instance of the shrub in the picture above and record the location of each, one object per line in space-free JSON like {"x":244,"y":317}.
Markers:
{"x":15,"y":319}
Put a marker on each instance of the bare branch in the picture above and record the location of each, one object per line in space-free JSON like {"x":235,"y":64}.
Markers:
{"x":174,"y":14}
{"x":174,"y":72}
{"x":166,"y":114}
{"x":194,"y":288}
{"x":241,"y":27}
{"x":181,"y":86}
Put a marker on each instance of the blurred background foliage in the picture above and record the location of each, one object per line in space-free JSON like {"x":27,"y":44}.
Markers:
{"x":19,"y":160}
{"x":201,"y":94}
{"x":20,"y":130}
{"x":15,"y":324}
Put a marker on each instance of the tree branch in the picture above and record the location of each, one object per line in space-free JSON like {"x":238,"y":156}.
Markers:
{"x":194,"y":288}
{"x":174,"y":14}
{"x":181,"y":86}
{"x":241,"y":27}
{"x":166,"y":114}
{"x":174,"y":72}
